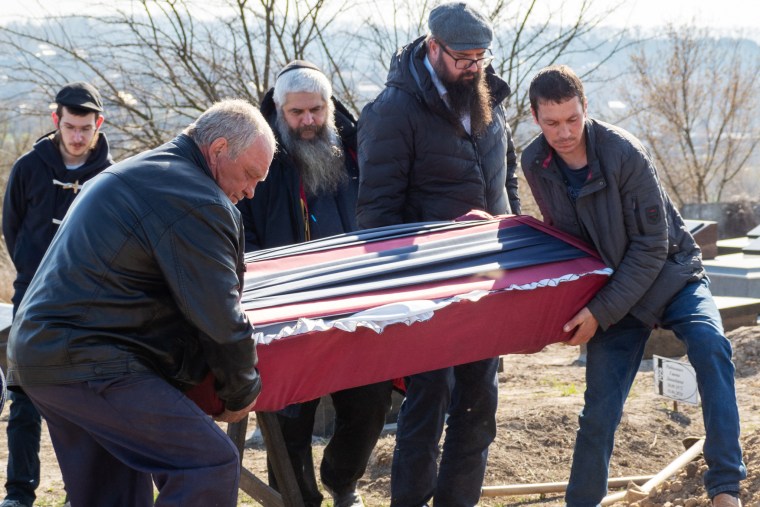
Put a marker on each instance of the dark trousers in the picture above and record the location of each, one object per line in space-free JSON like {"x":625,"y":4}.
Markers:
{"x":359,"y":419}
{"x":469,"y":394}
{"x":24,"y":427}
{"x":114,"y":438}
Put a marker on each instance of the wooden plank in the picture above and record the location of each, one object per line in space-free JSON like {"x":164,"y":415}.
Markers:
{"x":236,"y":432}
{"x":278,"y":458}
{"x":259,"y":490}
{"x":249,"y":483}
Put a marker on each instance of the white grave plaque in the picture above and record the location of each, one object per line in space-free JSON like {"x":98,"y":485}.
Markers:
{"x":675,"y":380}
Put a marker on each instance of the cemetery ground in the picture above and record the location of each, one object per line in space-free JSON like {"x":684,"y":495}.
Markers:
{"x":540,"y":396}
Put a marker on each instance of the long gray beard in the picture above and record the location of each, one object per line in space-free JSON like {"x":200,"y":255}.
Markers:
{"x":320,"y":161}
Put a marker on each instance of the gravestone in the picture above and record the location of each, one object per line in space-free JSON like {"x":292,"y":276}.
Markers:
{"x":749,"y":244}
{"x":734,"y":275}
{"x":734,"y":311}
{"x":705,"y":233}
{"x":732,"y":245}
{"x":753,"y":248}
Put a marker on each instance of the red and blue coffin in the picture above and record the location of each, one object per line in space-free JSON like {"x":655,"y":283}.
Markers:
{"x":385,"y":303}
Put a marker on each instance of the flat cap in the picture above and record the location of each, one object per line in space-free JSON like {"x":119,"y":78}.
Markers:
{"x":80,"y":94}
{"x":460,"y":26}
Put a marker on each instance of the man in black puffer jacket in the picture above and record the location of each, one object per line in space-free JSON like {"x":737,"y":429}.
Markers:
{"x":314,"y":174}
{"x":41,"y":187}
{"x":138,"y":297}
{"x":435,"y":145}
{"x":422,"y":161}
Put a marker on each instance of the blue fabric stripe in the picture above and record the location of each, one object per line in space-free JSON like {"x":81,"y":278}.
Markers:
{"x":508,"y":248}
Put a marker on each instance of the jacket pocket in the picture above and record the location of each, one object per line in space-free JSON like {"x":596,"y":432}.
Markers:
{"x":637,"y":215}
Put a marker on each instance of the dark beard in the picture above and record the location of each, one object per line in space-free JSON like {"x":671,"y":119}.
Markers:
{"x":471,"y":97}
{"x":320,"y":161}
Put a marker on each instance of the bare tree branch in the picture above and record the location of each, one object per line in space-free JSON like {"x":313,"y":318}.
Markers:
{"x":158,"y":63}
{"x":698,"y":105}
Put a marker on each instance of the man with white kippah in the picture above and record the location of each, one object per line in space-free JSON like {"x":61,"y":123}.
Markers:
{"x":310,"y":193}
{"x":435,"y":145}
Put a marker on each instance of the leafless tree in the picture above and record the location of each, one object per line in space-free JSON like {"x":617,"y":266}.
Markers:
{"x":158,"y":63}
{"x":527,"y":38}
{"x":15,"y":141}
{"x":696,"y":106}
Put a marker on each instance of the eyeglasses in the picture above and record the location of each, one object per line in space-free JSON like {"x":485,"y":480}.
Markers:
{"x":466,"y":63}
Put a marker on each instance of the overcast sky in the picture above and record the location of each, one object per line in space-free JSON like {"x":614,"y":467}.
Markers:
{"x":723,"y":14}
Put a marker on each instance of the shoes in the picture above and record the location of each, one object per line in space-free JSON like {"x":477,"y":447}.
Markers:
{"x":722,"y":500}
{"x":350,"y":499}
{"x":12,"y":503}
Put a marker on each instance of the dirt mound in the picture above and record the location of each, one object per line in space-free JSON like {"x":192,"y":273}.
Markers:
{"x":540,"y":396}
{"x":687,"y":489}
{"x":746,"y":344}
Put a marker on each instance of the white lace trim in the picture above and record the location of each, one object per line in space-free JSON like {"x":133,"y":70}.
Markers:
{"x":406,"y":312}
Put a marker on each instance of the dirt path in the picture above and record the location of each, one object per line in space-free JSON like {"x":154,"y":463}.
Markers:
{"x":540,"y":397}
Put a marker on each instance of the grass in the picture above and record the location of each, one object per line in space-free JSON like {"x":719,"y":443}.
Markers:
{"x":564,"y":388}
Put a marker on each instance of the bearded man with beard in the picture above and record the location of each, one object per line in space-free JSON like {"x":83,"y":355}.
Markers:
{"x":311,"y":193}
{"x":435,"y":145}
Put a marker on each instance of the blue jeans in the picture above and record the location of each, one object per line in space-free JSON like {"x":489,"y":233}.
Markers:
{"x":469,"y":393}
{"x":612,"y":362}
{"x":24,"y":429}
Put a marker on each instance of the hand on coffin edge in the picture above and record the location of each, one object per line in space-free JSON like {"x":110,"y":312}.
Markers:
{"x":474,"y":214}
{"x":583,"y":326}
{"x":229,"y":416}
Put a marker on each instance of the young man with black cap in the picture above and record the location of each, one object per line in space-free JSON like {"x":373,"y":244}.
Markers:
{"x":435,"y":145}
{"x":310,"y":193}
{"x":42,"y":185}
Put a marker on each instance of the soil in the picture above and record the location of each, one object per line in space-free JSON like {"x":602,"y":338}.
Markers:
{"x":540,"y":397}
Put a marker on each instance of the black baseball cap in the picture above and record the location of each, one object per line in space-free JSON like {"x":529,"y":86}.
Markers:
{"x":80,"y":94}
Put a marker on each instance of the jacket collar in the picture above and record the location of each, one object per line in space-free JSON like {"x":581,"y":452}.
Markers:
{"x":590,"y":132}
{"x":547,"y":153}
{"x":193,"y":152}
{"x":97,"y":160}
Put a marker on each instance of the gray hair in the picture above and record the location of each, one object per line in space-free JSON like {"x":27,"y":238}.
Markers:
{"x":236,"y":120}
{"x":301,"y":80}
